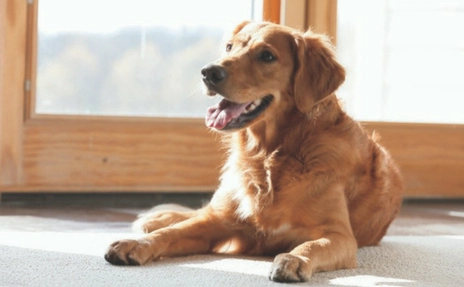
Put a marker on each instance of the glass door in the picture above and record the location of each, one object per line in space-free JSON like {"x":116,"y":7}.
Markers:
{"x":404,"y":60}
{"x":104,"y":96}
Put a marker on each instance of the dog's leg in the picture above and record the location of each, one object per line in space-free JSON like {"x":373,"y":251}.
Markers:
{"x":198,"y":234}
{"x":162,"y":216}
{"x":334,"y":251}
{"x":330,"y":242}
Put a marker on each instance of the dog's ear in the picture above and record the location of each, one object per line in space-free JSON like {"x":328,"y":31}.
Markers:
{"x":317,"y":73}
{"x":240,"y":26}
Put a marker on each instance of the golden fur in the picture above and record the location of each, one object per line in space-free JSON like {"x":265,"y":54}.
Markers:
{"x":302,"y":181}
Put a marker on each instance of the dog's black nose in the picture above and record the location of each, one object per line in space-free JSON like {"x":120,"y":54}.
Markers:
{"x":213,"y":74}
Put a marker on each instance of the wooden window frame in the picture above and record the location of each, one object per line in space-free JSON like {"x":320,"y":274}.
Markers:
{"x":43,"y":153}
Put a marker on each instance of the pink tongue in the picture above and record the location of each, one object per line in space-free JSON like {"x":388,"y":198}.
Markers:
{"x":219,"y":115}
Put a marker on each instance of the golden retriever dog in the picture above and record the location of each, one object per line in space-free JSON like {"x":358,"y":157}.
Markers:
{"x":303,"y":181}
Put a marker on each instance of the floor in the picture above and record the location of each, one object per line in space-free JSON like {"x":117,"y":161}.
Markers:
{"x":60,"y":239}
{"x":114,"y":213}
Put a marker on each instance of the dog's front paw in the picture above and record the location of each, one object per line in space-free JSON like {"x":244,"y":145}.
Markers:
{"x":289,"y":268}
{"x":130,"y":252}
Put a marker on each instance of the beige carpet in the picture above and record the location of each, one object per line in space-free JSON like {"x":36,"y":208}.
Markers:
{"x":75,"y":259}
{"x":39,"y":248}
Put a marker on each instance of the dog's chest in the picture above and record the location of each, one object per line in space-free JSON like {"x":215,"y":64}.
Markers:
{"x":262,"y":213}
{"x":260,"y":191}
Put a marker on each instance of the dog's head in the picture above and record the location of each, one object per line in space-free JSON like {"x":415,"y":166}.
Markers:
{"x":269,"y":68}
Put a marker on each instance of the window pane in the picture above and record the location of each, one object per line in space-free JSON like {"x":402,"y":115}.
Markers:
{"x":404,"y":59}
{"x":131,"y":58}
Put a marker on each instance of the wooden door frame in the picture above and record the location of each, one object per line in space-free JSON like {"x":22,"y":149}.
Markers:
{"x":108,"y":154}
{"x":12,"y":71}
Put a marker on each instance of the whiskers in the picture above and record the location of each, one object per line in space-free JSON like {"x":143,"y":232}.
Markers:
{"x":197,"y":91}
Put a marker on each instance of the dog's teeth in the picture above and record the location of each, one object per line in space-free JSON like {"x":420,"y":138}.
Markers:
{"x":252,"y":106}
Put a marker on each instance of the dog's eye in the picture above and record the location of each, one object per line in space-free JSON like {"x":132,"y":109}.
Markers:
{"x":228,"y":47}
{"x":266,"y":56}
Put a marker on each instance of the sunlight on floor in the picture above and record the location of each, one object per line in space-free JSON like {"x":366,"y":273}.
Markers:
{"x":456,"y":214}
{"x":368,"y":280}
{"x":87,"y":243}
{"x":245,"y":266}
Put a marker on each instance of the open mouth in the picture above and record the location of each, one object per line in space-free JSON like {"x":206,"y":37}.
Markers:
{"x":227,"y":115}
